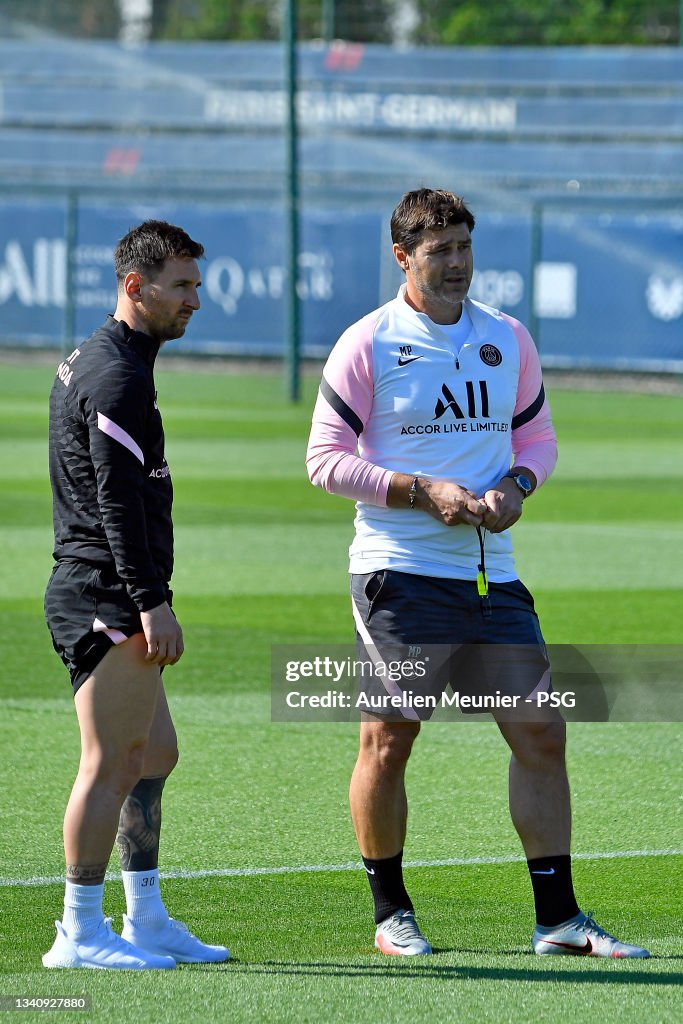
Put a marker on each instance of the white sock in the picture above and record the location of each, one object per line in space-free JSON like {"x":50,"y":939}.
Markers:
{"x":144,"y":905}
{"x":82,"y":909}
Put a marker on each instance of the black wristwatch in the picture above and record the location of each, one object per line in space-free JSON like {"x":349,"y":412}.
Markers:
{"x":523,"y":482}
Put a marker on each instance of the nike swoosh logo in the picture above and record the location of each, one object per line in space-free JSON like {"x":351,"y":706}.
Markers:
{"x":370,"y":871}
{"x":404,"y":362}
{"x":578,"y":950}
{"x":551,"y":872}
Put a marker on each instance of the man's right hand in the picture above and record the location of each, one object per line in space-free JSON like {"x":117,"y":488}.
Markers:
{"x":445,"y":501}
{"x":163,"y":635}
{"x":450,"y":503}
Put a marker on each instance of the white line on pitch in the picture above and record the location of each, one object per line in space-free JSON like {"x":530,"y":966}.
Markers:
{"x":301,"y":869}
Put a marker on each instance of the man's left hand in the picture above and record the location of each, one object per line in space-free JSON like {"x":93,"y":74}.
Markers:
{"x":504,"y":503}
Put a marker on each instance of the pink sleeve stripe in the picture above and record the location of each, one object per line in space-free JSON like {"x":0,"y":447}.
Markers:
{"x":348,"y":370}
{"x":117,"y":433}
{"x":539,"y":457}
{"x":333,"y":464}
{"x":340,"y":407}
{"x":531,"y":412}
{"x":530,"y":380}
{"x":341,"y":410}
{"x":533,"y":436}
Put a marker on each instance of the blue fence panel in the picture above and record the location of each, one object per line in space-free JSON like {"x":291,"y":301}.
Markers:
{"x":490,"y":66}
{"x":502,"y":262}
{"x":73,"y":157}
{"x":609,"y":289}
{"x":32,"y":271}
{"x":245,"y":281}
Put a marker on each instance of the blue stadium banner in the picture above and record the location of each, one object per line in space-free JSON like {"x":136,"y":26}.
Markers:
{"x":244,"y":277}
{"x":32,"y":271}
{"x":606,"y":289}
{"x":609,"y":290}
{"x":244,"y":274}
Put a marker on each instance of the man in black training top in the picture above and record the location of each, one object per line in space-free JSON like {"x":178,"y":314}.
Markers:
{"x":108,"y":605}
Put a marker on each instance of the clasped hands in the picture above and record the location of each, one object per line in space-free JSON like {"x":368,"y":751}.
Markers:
{"x":496,"y":510}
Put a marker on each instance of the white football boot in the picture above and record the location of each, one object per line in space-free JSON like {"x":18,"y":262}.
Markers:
{"x":103,"y":950}
{"x":173,"y":938}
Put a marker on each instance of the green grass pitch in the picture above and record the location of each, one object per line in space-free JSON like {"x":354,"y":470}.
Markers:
{"x":261,"y":559}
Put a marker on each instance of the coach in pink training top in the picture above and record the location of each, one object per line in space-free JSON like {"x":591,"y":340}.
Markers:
{"x":432,"y":416}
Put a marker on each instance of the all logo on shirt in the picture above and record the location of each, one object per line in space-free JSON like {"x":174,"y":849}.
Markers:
{"x":490,"y":355}
{"x":463,"y":412}
{"x":448,"y":401}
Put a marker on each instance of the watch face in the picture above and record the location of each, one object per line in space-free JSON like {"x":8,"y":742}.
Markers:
{"x":524,"y":483}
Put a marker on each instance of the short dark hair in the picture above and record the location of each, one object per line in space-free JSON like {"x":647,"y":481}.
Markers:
{"x":426,"y":209}
{"x":147,"y":247}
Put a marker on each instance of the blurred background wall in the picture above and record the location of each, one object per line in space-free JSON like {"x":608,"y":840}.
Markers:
{"x":561,"y":124}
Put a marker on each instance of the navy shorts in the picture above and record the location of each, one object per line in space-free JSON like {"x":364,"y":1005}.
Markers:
{"x":438,"y":634}
{"x":88,"y":611}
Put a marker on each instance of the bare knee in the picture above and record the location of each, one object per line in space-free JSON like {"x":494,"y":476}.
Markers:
{"x":161,"y":755}
{"x":540,"y":745}
{"x":172,"y":756}
{"x":112,"y":768}
{"x":388,"y":746}
{"x":163,"y":761}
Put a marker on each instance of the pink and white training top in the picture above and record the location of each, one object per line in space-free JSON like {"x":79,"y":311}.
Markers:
{"x":400,"y":393}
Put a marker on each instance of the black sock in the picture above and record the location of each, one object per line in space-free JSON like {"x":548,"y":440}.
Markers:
{"x":386,"y":882}
{"x":554,"y":897}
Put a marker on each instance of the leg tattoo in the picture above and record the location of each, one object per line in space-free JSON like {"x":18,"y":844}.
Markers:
{"x":86,"y":874}
{"x":139,"y":826}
